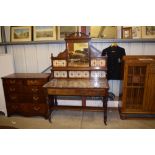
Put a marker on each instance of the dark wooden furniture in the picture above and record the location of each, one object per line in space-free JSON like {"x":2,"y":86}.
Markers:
{"x":138,"y":98}
{"x":78,"y":71}
{"x":25,"y":95}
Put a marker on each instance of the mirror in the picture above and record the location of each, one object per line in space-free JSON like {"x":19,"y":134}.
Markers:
{"x":78,"y":54}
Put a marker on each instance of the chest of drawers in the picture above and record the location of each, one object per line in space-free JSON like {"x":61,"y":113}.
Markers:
{"x":24,"y":94}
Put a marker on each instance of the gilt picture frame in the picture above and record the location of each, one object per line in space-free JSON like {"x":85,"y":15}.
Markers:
{"x":136,"y":32}
{"x":65,"y":30}
{"x":103,"y":32}
{"x":127,"y":33}
{"x":21,"y":33}
{"x":44,"y":33}
{"x":148,"y":32}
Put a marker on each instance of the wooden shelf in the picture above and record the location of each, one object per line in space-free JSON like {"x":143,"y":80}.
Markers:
{"x":123,"y":40}
{"x":33,"y":42}
{"x":93,"y":41}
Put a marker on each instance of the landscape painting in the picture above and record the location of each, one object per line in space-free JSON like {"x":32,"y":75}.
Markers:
{"x":21,"y":33}
{"x":148,"y":32}
{"x":43,"y":33}
{"x":66,"y":30}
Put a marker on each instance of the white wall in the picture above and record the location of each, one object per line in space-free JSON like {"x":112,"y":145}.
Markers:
{"x":33,"y":58}
{"x":36,"y":58}
{"x":6,"y":67}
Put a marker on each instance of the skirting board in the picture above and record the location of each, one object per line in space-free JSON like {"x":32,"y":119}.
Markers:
{"x":97,"y":103}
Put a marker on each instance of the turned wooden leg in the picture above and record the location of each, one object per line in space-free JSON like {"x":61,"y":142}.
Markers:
{"x":50,"y":101}
{"x":55,"y":100}
{"x":105,"y":99}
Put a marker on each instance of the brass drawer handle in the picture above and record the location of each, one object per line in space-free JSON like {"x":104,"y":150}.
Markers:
{"x":13,"y":97}
{"x":35,"y":98}
{"x":12,"y":89}
{"x":32,"y":81}
{"x":12,"y":81}
{"x":36,"y":108}
{"x":35,"y":89}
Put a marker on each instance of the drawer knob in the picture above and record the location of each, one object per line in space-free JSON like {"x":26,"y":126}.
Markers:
{"x":35,"y":98}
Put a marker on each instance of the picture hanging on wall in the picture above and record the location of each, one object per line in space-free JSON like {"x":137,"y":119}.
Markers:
{"x":21,"y":33}
{"x":105,"y":32}
{"x":148,"y":32}
{"x":127,"y":32}
{"x":65,"y":30}
{"x":136,"y":32}
{"x":44,"y":33}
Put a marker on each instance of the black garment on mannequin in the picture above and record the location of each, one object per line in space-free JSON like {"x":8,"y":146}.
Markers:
{"x":114,"y":61}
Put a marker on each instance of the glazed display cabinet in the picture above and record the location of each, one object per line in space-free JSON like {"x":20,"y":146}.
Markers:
{"x":138,"y":98}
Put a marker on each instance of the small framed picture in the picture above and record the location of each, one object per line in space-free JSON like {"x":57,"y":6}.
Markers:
{"x":148,"y":32}
{"x":21,"y":33}
{"x":44,"y":33}
{"x":127,"y":33}
{"x":65,"y":30}
{"x":136,"y":32}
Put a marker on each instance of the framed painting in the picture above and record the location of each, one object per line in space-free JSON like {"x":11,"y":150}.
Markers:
{"x":105,"y":32}
{"x":21,"y":33}
{"x":65,"y":30}
{"x":127,"y":33}
{"x":136,"y":32}
{"x":44,"y":33}
{"x":148,"y":31}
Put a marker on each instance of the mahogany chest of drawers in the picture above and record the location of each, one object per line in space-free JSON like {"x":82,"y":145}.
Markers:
{"x":25,"y":95}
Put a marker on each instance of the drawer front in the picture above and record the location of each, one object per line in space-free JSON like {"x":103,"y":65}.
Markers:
{"x":33,"y":89}
{"x":25,"y":109}
{"x":13,"y":108}
{"x":13,"y":98}
{"x":34,"y":98}
{"x":39,"y":82}
{"x":13,"y":89}
{"x":78,"y":92}
{"x":38,"y":108}
{"x":25,"y":98}
{"x":13,"y":81}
